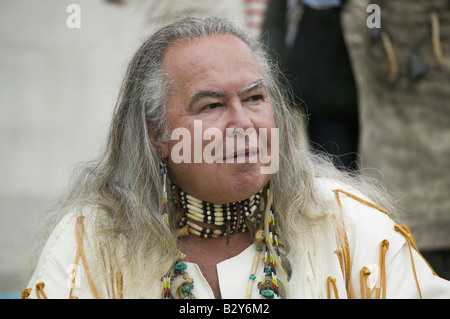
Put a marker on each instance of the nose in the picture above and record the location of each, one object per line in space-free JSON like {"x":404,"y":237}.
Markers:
{"x":238,"y":117}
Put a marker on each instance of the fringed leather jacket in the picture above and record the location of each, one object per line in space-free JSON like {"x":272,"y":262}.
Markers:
{"x":374,"y":258}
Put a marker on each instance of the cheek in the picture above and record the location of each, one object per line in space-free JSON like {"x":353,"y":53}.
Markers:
{"x":271,"y":119}
{"x":267,"y":132}
{"x":264,"y":119}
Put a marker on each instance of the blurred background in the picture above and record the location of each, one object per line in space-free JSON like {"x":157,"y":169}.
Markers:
{"x":391,"y":98}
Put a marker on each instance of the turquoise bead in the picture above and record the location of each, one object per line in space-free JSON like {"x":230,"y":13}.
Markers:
{"x":180,"y":267}
{"x":267,"y":293}
{"x":187,"y":288}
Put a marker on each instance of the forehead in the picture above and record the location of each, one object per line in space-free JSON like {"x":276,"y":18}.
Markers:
{"x":217,"y":61}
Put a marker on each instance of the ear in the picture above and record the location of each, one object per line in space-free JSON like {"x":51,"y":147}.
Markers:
{"x":162,"y":147}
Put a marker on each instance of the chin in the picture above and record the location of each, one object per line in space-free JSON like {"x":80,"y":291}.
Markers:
{"x":246,"y":185}
{"x":224,"y":183}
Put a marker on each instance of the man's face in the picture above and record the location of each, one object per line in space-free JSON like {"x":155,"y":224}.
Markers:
{"x":216,"y":84}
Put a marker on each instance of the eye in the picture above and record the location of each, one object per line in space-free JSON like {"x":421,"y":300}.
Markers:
{"x":257,"y":97}
{"x":212,"y":106}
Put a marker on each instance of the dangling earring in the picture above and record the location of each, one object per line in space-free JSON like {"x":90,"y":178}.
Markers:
{"x":163,"y":173}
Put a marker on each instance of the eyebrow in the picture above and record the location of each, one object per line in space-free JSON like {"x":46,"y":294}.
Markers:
{"x":201,"y":94}
{"x":216,"y":93}
{"x":258,"y":84}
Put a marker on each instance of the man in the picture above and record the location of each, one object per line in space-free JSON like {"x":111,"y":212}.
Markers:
{"x":173,"y":211}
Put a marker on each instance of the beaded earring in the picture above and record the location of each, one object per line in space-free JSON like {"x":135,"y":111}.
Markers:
{"x":163,"y":173}
{"x":177,"y":284}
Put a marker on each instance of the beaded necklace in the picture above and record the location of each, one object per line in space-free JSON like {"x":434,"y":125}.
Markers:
{"x":235,"y":217}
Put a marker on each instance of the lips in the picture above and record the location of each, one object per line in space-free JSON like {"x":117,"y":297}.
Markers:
{"x":241,"y":155}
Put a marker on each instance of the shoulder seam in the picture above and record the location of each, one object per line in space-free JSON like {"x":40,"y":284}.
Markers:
{"x":337,"y":191}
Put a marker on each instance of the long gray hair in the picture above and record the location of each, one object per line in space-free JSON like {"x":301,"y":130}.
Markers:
{"x":125,"y":182}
